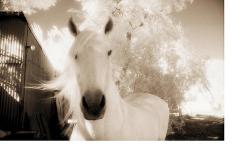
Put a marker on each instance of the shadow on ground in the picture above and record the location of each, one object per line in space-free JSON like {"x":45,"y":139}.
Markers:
{"x":198,"y":128}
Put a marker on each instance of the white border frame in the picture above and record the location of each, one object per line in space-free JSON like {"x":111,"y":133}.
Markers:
{"x":128,"y":148}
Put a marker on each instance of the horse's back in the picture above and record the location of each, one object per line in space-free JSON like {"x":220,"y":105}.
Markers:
{"x":154,"y":107}
{"x":147,"y":101}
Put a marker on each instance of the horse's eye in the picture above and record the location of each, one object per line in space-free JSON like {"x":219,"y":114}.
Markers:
{"x":109,"y":52}
{"x":76,"y":56}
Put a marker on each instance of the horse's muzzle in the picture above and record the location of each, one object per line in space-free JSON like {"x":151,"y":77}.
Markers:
{"x":93,"y":105}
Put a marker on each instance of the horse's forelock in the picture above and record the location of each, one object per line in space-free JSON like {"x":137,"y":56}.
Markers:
{"x":90,"y":38}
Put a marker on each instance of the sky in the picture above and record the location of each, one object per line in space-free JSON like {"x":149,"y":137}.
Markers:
{"x":57,"y":15}
{"x":203,"y":25}
{"x":202,"y":22}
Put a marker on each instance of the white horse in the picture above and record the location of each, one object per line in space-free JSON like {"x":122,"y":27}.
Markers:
{"x":101,"y":113}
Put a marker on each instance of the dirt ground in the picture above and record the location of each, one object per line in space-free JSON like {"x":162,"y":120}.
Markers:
{"x":198,"y":128}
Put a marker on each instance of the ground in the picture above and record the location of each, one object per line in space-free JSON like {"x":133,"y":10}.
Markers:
{"x":180,"y":128}
{"x":197,"y":128}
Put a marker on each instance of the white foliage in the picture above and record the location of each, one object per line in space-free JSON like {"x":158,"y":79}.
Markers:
{"x":96,"y":13}
{"x":28,"y":6}
{"x":56,"y":45}
{"x":207,"y":103}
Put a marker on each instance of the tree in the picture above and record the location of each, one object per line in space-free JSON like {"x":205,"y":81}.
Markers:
{"x":27,"y":6}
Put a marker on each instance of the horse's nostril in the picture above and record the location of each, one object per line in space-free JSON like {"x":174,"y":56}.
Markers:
{"x":102,"y":102}
{"x":85,"y":105}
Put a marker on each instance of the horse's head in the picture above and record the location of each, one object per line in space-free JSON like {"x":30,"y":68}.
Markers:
{"x":90,"y":54}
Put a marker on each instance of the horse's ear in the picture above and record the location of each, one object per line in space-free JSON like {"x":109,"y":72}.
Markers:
{"x":73,"y":28}
{"x":109,"y":26}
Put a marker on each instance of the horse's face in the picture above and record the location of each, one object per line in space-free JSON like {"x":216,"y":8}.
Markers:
{"x":90,"y":54}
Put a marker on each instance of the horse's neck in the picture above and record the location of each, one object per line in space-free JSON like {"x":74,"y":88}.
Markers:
{"x":114,"y":98}
{"x":115,"y":113}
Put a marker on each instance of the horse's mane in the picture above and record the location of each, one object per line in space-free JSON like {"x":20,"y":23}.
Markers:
{"x":90,"y":39}
{"x":64,"y":87}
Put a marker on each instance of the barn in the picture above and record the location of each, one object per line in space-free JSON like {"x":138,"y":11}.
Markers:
{"x":25,"y":113}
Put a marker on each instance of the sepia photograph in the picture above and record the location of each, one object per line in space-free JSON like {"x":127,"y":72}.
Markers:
{"x":112,"y":70}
